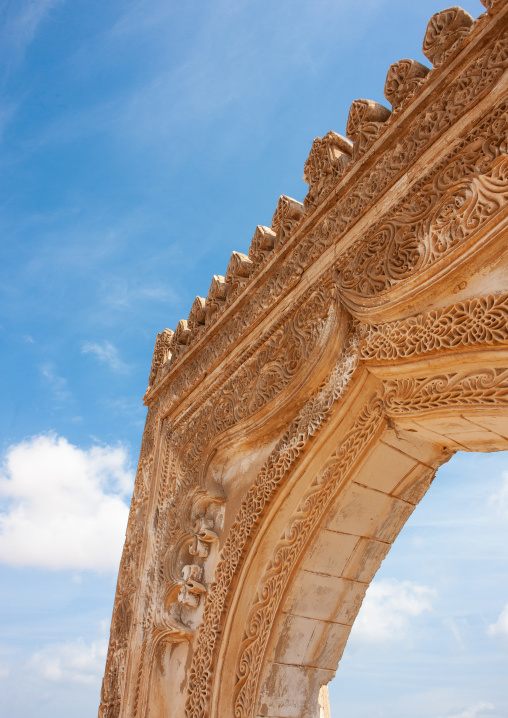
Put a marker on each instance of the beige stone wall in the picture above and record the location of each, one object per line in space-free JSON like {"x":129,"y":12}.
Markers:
{"x":299,"y":414}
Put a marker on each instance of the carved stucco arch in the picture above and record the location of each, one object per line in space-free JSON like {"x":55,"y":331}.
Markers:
{"x":299,"y":414}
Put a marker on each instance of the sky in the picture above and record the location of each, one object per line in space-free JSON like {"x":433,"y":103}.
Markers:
{"x":141,"y":142}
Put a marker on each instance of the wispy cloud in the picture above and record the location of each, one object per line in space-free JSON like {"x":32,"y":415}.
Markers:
{"x":120,"y":294}
{"x":388,"y":608}
{"x":107,"y":353}
{"x":73,"y":661}
{"x":500,"y":627}
{"x":63,"y":507}
{"x":20,"y":23}
{"x":479,"y":709}
{"x":56,"y":383}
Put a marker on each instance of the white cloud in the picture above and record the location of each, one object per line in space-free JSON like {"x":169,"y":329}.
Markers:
{"x":63,"y":507}
{"x":107,"y":353}
{"x":477,"y":710}
{"x":71,"y":662}
{"x":500,"y":627}
{"x":387,"y":609}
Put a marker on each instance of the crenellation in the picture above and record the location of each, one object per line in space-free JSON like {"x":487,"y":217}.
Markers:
{"x":445,"y":32}
{"x":288,"y":214}
{"x":216,"y":297}
{"x":262,"y":244}
{"x":403,"y":81}
{"x":161,"y":354}
{"x":328,"y":159}
{"x":365,"y":120}
{"x":239,"y":270}
{"x":180,"y":338}
{"x":197,"y":316}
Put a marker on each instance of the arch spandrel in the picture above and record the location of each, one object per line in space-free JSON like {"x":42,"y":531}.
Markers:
{"x":299,"y":414}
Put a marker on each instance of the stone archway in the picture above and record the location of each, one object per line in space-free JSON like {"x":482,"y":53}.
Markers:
{"x":299,"y":414}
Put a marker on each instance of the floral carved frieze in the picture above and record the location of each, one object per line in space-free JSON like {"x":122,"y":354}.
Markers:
{"x":481,"y":320}
{"x":458,"y":198}
{"x":280,"y":462}
{"x":485,"y":387}
{"x":388,"y":253}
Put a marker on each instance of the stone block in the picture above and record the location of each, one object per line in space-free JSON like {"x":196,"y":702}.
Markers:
{"x":415,"y":485}
{"x":291,"y":691}
{"x":384,"y":468}
{"x":366,"y":560}
{"x":329,"y":552}
{"x":372,"y":514}
{"x":325,"y":598}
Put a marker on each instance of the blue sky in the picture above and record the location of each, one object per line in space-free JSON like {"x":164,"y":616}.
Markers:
{"x":141,"y":143}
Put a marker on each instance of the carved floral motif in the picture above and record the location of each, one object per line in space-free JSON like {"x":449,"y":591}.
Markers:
{"x":445,"y":32}
{"x":472,"y":82}
{"x":466,"y":323}
{"x":403,"y":80}
{"x":327,"y":161}
{"x":282,"y":459}
{"x":458,"y":198}
{"x":485,"y":387}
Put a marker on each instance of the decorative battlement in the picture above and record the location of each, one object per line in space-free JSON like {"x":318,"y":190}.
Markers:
{"x":332,"y":170}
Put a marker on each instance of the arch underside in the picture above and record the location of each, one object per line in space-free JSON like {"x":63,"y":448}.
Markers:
{"x":279,"y":673}
{"x":300,"y":414}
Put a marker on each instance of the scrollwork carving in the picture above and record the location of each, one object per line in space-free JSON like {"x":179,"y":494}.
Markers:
{"x":481,"y":320}
{"x":283,"y":459}
{"x":459,"y":197}
{"x":287,"y":552}
{"x":485,"y":387}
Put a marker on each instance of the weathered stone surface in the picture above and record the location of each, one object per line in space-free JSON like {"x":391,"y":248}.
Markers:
{"x":299,"y":414}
